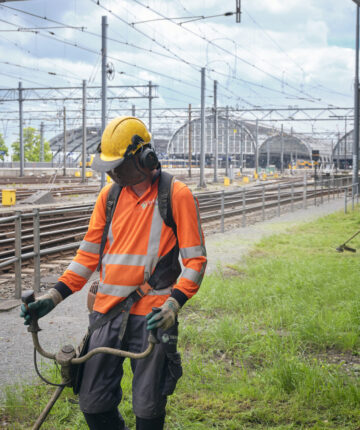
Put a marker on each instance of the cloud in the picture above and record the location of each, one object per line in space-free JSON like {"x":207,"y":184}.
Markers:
{"x":305,"y":44}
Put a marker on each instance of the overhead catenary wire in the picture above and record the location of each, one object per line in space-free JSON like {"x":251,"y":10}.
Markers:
{"x":196,"y":67}
{"x":270,"y":75}
{"x":76,"y":45}
{"x":287,"y":55}
{"x":188,"y":18}
{"x":20,"y":78}
{"x":83,"y":27}
{"x":40,"y":28}
{"x":97,"y":2}
{"x":237,"y":45}
{"x":215,"y":72}
{"x":37,"y":70}
{"x":29,"y":52}
{"x":83,"y":30}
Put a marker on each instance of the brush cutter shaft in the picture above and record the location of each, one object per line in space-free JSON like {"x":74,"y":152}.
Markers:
{"x":66,"y":362}
{"x":47,"y":409}
{"x":352,"y":237}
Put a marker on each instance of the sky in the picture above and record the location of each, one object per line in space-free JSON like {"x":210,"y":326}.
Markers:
{"x":294,"y":53}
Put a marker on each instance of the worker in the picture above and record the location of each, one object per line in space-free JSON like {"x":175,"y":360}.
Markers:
{"x":138,"y":240}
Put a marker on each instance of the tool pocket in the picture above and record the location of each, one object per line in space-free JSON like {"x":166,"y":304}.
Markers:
{"x":77,"y":369}
{"x":173,"y":372}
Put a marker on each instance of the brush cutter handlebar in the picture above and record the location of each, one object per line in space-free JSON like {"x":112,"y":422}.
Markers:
{"x":29,"y":297}
{"x":67,"y":358}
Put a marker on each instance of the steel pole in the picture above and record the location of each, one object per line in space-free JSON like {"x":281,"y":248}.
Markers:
{"x":338,"y":151}
{"x":104,"y":26}
{"x":190,"y":148}
{"x":36,"y":227}
{"x":345,"y":157}
{"x":65,"y":143}
{"x":257,"y":148}
{"x":282,"y":148}
{"x":150,"y":106}
{"x":83,"y":155}
{"x":227,"y":143}
{"x":41,"y":141}
{"x":21,"y":134}
{"x":241,"y":147}
{"x":202,"y":131}
{"x":216,"y":154}
{"x":18,"y":261}
{"x":355,"y":175}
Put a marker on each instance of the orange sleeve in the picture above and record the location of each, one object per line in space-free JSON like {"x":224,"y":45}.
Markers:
{"x":191,"y":242}
{"x":87,"y":256}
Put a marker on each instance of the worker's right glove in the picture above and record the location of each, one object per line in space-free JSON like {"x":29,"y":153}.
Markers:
{"x":165,"y":316}
{"x":41,"y":307}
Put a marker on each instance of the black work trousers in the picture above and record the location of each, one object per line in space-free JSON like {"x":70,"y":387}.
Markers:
{"x":154,"y":377}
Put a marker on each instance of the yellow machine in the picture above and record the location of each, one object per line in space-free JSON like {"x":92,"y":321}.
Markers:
{"x":306,"y":164}
{"x":88,"y":163}
{"x":8,"y":197}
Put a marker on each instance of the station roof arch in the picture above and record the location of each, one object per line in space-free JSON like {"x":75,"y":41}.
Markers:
{"x":93,"y":139}
{"x":343,"y":148}
{"x":74,"y":140}
{"x":241,"y":137}
{"x":288,"y":144}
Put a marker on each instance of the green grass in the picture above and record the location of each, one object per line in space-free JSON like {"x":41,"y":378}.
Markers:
{"x":275,"y":346}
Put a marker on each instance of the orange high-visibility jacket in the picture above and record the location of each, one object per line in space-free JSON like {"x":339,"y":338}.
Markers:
{"x":137,"y":239}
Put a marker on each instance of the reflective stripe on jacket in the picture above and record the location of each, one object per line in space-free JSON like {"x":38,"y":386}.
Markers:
{"x":137,"y":239}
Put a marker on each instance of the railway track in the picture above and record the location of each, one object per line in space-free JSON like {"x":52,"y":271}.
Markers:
{"x":39,"y":180}
{"x":67,"y":228}
{"x":57,"y":191}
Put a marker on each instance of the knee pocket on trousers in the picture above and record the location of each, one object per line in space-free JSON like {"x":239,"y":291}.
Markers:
{"x":173,"y":372}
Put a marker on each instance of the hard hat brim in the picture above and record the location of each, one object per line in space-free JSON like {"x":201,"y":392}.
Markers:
{"x":105,"y":166}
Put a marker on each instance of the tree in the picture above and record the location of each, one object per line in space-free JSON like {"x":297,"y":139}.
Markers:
{"x":3,"y":148}
{"x":31,"y":146}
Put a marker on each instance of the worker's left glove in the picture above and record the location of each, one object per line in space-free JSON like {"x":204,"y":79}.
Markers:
{"x":41,"y":307}
{"x":165,"y":318}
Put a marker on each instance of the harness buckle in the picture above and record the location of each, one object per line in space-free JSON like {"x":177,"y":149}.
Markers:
{"x":144,"y":289}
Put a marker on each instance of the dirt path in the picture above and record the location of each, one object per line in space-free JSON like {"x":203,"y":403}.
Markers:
{"x":67,"y":323}
{"x":229,"y":247}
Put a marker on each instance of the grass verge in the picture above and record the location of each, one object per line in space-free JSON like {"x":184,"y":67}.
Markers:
{"x":274,"y":346}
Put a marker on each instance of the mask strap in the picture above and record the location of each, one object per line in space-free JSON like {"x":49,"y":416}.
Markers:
{"x":135,"y":141}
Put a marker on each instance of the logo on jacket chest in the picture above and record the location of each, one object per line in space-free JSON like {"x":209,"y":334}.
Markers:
{"x":147,"y":203}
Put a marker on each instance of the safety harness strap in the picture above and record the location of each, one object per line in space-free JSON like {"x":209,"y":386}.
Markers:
{"x":111,"y":202}
{"x":123,"y":306}
{"x":165,"y":190}
{"x":167,"y":269}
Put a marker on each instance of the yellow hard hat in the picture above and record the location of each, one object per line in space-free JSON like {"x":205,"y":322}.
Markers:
{"x":122,"y":137}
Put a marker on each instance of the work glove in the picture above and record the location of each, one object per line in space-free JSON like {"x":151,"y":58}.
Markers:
{"x":41,"y":307}
{"x":163,"y":317}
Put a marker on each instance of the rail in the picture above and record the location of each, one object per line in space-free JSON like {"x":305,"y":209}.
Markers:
{"x":214,"y":207}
